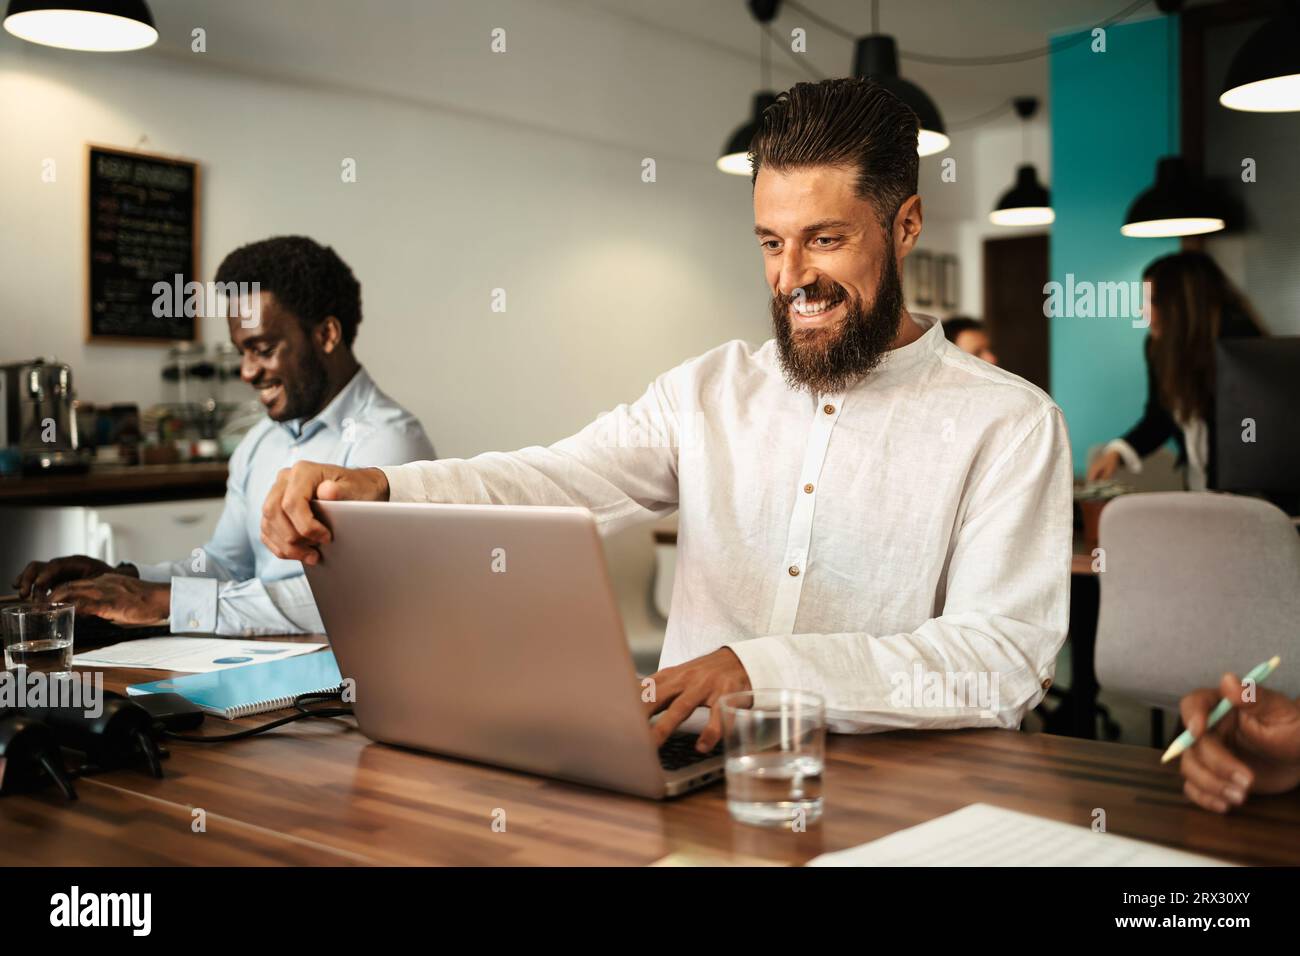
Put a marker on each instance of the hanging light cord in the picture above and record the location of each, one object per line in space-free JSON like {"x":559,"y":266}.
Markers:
{"x":972,"y":121}
{"x":965,"y":60}
{"x":800,"y":61}
{"x":980,"y":118}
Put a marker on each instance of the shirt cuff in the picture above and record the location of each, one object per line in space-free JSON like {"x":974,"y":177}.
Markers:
{"x":764,"y":660}
{"x":194,"y":605}
{"x":404,"y":483}
{"x":1132,"y":460}
{"x":154,"y":573}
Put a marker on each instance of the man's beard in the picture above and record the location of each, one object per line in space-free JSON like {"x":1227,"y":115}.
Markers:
{"x":829,"y":360}
{"x":304,"y":388}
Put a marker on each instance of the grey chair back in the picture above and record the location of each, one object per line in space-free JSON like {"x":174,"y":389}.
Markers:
{"x":1195,"y":584}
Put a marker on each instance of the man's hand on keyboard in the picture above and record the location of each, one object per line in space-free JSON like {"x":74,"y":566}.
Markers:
{"x":119,"y":598}
{"x":698,"y":683}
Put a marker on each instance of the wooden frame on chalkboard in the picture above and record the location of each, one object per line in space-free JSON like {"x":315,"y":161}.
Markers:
{"x":97,"y":338}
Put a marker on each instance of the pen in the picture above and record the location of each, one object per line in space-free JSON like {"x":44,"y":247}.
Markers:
{"x":1185,"y":739}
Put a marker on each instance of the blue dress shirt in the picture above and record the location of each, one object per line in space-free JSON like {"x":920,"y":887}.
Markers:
{"x":233,"y":585}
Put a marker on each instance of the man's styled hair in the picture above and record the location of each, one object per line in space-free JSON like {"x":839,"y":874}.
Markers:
{"x":307,"y":279}
{"x":847,"y":122}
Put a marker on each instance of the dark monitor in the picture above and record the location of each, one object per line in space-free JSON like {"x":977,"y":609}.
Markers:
{"x":1257,"y":410}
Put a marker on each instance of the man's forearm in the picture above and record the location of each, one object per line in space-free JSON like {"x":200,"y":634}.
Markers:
{"x":944,"y":675}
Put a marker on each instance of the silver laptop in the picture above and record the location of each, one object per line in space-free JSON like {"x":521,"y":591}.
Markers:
{"x":490,"y":632}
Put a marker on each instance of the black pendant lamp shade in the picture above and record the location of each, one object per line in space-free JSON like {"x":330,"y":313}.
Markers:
{"x":1177,"y":205}
{"x":1264,"y":76}
{"x":94,"y":25}
{"x":735,"y":155}
{"x":1027,"y":203}
{"x":876,"y":58}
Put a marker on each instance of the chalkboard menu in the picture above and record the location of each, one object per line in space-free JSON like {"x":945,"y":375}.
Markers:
{"x":143,"y":231}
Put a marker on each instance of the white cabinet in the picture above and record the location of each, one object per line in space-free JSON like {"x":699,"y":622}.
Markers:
{"x":144,"y":533}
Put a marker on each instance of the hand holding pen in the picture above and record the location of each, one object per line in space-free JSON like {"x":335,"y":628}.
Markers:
{"x":1254,"y":747}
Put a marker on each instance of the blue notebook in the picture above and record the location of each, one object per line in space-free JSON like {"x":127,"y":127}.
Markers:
{"x":253,"y":688}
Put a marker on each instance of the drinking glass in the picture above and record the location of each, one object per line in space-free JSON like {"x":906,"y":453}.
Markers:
{"x":38,"y":637}
{"x":776,"y":748}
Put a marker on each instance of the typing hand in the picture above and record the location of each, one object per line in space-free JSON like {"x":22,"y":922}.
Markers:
{"x":289,"y":529}
{"x":118,"y":598}
{"x":1254,"y":748}
{"x":39,"y":576}
{"x":698,"y":683}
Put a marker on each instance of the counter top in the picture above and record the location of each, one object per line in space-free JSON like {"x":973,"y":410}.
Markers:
{"x":117,"y":484}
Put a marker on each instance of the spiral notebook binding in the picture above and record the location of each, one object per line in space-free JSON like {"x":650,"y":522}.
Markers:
{"x":273,"y":703}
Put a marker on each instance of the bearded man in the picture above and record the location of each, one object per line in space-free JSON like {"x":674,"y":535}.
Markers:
{"x":859,"y":499}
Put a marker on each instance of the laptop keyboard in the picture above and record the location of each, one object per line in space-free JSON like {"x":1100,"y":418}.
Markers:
{"x":679,"y":751}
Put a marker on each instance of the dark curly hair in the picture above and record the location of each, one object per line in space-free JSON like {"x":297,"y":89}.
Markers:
{"x":308,"y":279}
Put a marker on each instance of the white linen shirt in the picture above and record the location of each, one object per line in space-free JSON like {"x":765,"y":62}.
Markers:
{"x":852,"y":544}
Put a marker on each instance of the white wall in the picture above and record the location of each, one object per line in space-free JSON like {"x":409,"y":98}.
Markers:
{"x":460,"y":190}
{"x":609,"y":280}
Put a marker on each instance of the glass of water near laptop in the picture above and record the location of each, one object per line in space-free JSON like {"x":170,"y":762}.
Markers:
{"x":38,"y":637}
{"x":775,"y":744}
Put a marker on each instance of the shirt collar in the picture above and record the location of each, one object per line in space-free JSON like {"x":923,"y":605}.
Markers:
{"x":907,"y":358}
{"x":892,"y":363}
{"x":342,"y":406}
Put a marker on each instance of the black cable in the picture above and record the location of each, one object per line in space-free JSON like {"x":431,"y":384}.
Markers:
{"x":992,"y":59}
{"x":302,"y":700}
{"x":981,"y":117}
{"x":821,"y":21}
{"x":299,"y":704}
{"x":800,"y":61}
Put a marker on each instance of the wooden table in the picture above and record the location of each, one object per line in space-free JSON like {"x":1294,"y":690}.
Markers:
{"x":320,"y":793}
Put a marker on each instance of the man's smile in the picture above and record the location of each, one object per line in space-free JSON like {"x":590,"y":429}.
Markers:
{"x":815,"y":314}
{"x":269,"y":393}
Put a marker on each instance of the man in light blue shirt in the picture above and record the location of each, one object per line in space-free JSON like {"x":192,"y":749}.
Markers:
{"x":294,"y":335}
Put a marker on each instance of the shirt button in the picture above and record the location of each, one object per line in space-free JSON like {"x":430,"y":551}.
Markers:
{"x":828,"y":408}
{"x":808,"y":488}
{"x":794,"y":570}
{"x":1047,"y":682}
{"x":194,"y":622}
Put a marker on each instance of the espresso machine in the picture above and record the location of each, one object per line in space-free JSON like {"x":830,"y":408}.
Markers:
{"x":40,"y":416}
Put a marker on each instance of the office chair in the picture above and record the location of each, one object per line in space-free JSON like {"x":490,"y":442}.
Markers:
{"x":1195,"y":584}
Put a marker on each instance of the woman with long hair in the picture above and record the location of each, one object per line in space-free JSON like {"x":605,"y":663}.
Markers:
{"x":1192,"y":305}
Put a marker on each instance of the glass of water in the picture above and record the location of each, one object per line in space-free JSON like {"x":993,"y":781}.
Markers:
{"x":776,"y":749}
{"x":38,"y":637}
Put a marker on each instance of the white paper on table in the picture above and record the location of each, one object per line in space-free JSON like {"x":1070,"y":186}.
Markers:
{"x":197,"y":655}
{"x":984,"y":835}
